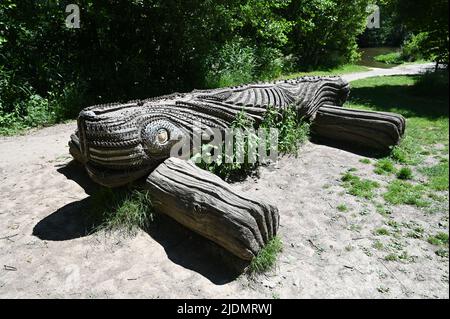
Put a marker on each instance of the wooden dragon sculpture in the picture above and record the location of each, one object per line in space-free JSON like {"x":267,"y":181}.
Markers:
{"x":124,"y":142}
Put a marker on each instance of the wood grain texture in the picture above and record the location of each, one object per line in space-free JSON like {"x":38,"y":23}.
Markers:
{"x":207,"y":205}
{"x":371,"y":130}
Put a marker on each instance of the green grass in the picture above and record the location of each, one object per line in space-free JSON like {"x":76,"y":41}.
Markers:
{"x":423,"y":101}
{"x":342,"y":208}
{"x":365,"y":161}
{"x":438,"y":176}
{"x":390,"y":58}
{"x":358,"y":187}
{"x":405,"y":173}
{"x":440,"y":239}
{"x":381,"y":232}
{"x":401,"y":192}
{"x":124,"y":211}
{"x":267,"y":257}
{"x":384,"y":166}
{"x":391,"y":257}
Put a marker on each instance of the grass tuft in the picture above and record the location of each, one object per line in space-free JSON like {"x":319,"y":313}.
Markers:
{"x":381,"y":232}
{"x":359,"y":187}
{"x":267,"y":257}
{"x":440,"y":239}
{"x":405,"y":173}
{"x":121,"y":210}
{"x":384,"y":166}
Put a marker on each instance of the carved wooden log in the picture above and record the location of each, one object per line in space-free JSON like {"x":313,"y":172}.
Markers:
{"x":375,"y":130}
{"x":207,"y":205}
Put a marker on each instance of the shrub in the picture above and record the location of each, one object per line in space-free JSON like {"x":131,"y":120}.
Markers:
{"x":233,"y":64}
{"x":390,"y":58}
{"x":411,"y":49}
{"x":292,"y":130}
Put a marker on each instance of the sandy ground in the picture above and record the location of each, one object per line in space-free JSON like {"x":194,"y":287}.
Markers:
{"x":46,"y":253}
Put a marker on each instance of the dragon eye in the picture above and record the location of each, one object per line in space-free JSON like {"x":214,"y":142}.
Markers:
{"x":162,"y":136}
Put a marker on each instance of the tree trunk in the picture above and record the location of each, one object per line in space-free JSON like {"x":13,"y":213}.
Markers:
{"x":207,"y":205}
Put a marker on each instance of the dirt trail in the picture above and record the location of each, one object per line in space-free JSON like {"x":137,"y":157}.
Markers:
{"x":44,"y":251}
{"x":407,"y":69}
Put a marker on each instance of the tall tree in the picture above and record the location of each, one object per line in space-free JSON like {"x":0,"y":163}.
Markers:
{"x":429,"y":17}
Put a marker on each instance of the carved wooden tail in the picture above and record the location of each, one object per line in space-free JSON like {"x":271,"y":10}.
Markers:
{"x":378,"y":131}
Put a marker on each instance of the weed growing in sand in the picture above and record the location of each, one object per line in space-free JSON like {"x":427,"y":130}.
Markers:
{"x":405,"y":173}
{"x":384,"y":166}
{"x":401,"y":192}
{"x":442,"y":253}
{"x":266,"y":258}
{"x":359,"y":187}
{"x":342,"y":208}
{"x":391,"y":257}
{"x":378,"y":245}
{"x":381,"y":232}
{"x":440,"y":239}
{"x":121,"y":210}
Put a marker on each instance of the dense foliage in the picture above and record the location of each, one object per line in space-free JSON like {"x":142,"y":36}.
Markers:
{"x":135,"y":49}
{"x":140,"y":48}
{"x":420,"y":27}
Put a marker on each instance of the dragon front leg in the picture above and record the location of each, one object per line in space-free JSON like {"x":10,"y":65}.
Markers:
{"x":206,"y":204}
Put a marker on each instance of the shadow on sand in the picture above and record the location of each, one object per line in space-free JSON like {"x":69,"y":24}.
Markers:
{"x":181,"y":245}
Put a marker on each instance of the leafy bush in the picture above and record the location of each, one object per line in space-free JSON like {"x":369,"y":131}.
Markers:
{"x":233,"y":64}
{"x":412,"y":47}
{"x":390,"y":58}
{"x":117,"y":55}
{"x":230,"y":168}
{"x":292,"y":132}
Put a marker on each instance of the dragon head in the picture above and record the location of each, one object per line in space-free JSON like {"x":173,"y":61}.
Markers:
{"x":120,"y":143}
